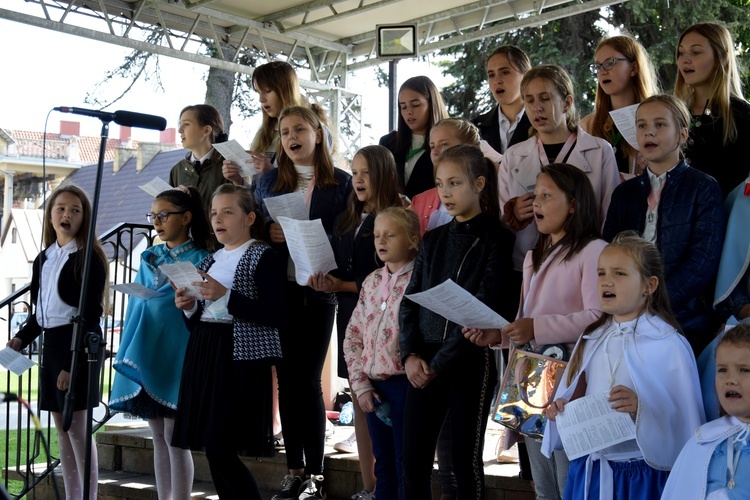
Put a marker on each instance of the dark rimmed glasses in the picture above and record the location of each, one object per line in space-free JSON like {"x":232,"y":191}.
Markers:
{"x":162,"y":216}
{"x":607,"y":64}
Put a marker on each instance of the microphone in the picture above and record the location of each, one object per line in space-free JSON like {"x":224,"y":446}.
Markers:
{"x":7,"y":397}
{"x":124,"y":118}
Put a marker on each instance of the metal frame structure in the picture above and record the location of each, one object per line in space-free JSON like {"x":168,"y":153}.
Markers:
{"x":329,"y":38}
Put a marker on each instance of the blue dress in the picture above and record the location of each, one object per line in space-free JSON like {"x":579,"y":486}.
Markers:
{"x":154,"y":339}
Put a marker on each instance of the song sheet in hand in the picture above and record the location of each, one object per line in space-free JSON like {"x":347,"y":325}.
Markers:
{"x":183,"y":275}
{"x":290,"y":205}
{"x":308,"y":246}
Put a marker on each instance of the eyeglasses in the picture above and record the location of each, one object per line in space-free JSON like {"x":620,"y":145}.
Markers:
{"x":163,"y":216}
{"x":607,"y":64}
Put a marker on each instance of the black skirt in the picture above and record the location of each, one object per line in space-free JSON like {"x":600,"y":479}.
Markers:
{"x":223,"y":403}
{"x":55,"y":356}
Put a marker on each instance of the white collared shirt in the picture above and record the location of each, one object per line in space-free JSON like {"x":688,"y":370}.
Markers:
{"x":51,"y":310}
{"x":202,"y":158}
{"x":507,"y":128}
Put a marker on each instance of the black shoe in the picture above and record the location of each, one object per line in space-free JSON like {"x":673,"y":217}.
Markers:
{"x":312,"y":488}
{"x":290,"y":488}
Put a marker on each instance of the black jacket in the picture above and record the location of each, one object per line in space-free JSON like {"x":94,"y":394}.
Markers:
{"x":477,"y":255}
{"x":69,"y":287}
{"x":422,"y":177}
{"x":355,"y":257}
{"x":489,"y":128}
{"x":689,"y":234}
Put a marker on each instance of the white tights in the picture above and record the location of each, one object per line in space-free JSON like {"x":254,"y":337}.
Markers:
{"x":73,"y":456}
{"x":173,"y":466}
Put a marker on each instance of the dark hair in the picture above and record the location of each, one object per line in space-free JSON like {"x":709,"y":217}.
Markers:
{"x":475,"y":165}
{"x":323,"y":166}
{"x":384,"y":188}
{"x":649,"y":264}
{"x":82,"y":236}
{"x":561,"y":82}
{"x":200,"y":230}
{"x":517,"y":58}
{"x":246,"y":202}
{"x":409,"y":222}
{"x":582,"y":226}
{"x":206,"y":114}
{"x":423,"y":86}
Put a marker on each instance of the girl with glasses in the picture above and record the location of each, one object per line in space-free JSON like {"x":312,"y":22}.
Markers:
{"x":625,"y":77}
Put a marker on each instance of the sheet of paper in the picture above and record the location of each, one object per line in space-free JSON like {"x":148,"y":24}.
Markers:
{"x":589,"y":424}
{"x":155,"y":186}
{"x":290,"y":205}
{"x":308,"y":246}
{"x":136,"y":290}
{"x":232,"y":151}
{"x":624,"y":119}
{"x":15,"y":361}
{"x":183,"y":275}
{"x":459,"y":306}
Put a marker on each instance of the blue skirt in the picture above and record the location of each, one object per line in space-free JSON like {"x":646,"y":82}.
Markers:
{"x":632,"y":479}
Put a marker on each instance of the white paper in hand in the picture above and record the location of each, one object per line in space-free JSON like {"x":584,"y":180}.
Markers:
{"x":15,"y":361}
{"x":308,"y":246}
{"x":136,"y":290}
{"x":183,"y":275}
{"x":156,"y":186}
{"x":624,"y":119}
{"x":232,"y":151}
{"x":459,"y":306}
{"x":290,"y":205}
{"x":589,"y":424}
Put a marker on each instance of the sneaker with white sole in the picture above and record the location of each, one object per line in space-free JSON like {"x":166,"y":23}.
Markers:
{"x":290,"y":488}
{"x":364,"y":495}
{"x":348,"y":445}
{"x":312,"y":489}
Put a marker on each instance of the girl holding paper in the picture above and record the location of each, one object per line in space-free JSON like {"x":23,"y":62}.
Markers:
{"x":634,"y":353}
{"x":375,"y":188}
{"x":447,"y":374}
{"x":152,"y":350}
{"x":558,"y":296}
{"x":625,"y":77}
{"x":304,"y":165}
{"x":234,"y":341}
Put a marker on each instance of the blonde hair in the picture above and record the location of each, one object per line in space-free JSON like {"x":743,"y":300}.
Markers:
{"x":725,"y":82}
{"x":322,"y":162}
{"x":562,"y":83}
{"x":466,"y":132}
{"x":409,"y":222}
{"x":644,"y":84}
{"x":677,"y":108}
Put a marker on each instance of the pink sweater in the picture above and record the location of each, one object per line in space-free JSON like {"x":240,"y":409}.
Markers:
{"x":371,"y":343}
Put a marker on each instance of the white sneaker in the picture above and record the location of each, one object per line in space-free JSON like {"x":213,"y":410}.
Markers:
{"x":348,"y":445}
{"x":364,"y":495}
{"x":330,"y":429}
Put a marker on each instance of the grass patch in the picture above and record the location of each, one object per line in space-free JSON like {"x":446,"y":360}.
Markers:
{"x":21,"y":449}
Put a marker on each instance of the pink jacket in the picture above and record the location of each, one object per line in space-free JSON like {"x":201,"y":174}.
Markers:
{"x":424,"y":205}
{"x":371,"y":343}
{"x":563,"y":297}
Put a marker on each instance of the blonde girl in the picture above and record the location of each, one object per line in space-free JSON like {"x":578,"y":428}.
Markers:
{"x":708,"y":81}
{"x":371,"y":345}
{"x":56,"y":284}
{"x":635,"y":355}
{"x":625,"y":76}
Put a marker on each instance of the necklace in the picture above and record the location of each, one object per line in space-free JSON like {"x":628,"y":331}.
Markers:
{"x":697,"y":118}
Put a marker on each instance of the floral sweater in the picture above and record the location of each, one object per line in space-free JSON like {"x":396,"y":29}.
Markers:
{"x":371,"y":344}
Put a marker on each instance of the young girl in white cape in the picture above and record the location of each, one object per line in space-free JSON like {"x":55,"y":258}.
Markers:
{"x":636,"y":354}
{"x":715,"y":463}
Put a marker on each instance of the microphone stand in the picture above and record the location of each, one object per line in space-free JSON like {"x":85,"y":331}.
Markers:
{"x":86,"y":338}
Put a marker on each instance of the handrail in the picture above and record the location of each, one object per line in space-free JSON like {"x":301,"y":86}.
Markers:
{"x":118,"y":243}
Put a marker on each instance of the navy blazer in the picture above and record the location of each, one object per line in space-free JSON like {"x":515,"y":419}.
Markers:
{"x":489,"y":128}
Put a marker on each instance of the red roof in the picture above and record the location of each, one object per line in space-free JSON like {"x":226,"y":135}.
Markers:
{"x":29,"y":143}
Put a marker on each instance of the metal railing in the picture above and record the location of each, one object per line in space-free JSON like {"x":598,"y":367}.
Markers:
{"x":27,"y":464}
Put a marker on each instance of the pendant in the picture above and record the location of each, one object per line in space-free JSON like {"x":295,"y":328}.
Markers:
{"x":731,"y":484}
{"x":614,"y":149}
{"x":707,"y":112}
{"x":382,"y":306}
{"x":698,"y":123}
{"x":650,"y":218}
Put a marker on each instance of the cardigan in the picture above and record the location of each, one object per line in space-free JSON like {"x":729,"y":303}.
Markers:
{"x":257,"y":303}
{"x":372,"y":336}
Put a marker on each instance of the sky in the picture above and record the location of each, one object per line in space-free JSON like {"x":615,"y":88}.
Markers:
{"x":57,"y":69}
